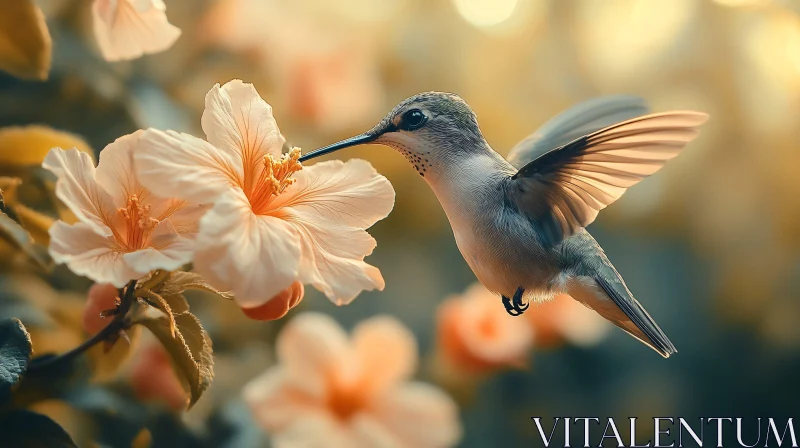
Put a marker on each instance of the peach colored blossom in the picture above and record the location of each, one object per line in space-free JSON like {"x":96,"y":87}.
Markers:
{"x":279,"y":305}
{"x":273,"y":221}
{"x":563,"y":319}
{"x":102,"y":297}
{"x":123,"y":231}
{"x":331,"y":390}
{"x":128,"y":29}
{"x":475,"y":333}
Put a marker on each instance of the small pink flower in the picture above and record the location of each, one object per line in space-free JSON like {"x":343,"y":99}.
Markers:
{"x":123,"y":230}
{"x":128,"y":29}
{"x":273,"y":221}
{"x":331,"y":390}
{"x":476,"y":334}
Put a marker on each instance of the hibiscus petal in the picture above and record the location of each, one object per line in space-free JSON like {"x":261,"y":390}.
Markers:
{"x":186,"y":217}
{"x":313,"y":349}
{"x":370,"y":432}
{"x":167,"y":250}
{"x":350,"y":193}
{"x":274,"y":402}
{"x":77,"y":188}
{"x":386,"y":351}
{"x":128,"y":29}
{"x":89,"y":254}
{"x":182,"y":166}
{"x":419,"y":414}
{"x":115,"y":170}
{"x":333,"y":258}
{"x":316,"y":430}
{"x":238,"y":122}
{"x":253,"y":256}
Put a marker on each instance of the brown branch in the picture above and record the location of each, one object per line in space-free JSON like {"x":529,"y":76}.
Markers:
{"x":127,"y":298}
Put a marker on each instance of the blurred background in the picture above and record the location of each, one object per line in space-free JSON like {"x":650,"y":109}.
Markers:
{"x":710,"y":245}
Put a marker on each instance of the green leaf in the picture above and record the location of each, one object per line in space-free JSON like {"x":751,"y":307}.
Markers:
{"x":158,"y":302}
{"x":26,"y":429}
{"x":173,"y":284}
{"x":190,"y":350}
{"x":180,"y":281}
{"x":177,"y":302}
{"x":18,"y":237}
{"x":25,"y":45}
{"x":15,"y":353}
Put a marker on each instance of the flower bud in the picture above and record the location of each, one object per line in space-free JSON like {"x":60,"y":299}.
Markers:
{"x":279,"y":305}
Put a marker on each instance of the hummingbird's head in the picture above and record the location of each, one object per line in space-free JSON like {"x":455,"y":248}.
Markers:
{"x":428,"y":129}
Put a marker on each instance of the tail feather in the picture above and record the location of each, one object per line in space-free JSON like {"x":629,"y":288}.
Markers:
{"x":611,"y":299}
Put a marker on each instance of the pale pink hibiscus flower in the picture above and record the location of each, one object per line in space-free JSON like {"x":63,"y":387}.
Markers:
{"x":128,"y":29}
{"x":123,"y":231}
{"x":331,"y":390}
{"x":273,"y":221}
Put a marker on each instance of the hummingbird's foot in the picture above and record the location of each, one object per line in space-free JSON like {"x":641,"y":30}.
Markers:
{"x":514,"y":306}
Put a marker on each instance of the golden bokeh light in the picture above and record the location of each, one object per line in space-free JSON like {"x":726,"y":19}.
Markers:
{"x":741,"y":3}
{"x":486,"y":13}
{"x":773,"y":44}
{"x":620,"y":37}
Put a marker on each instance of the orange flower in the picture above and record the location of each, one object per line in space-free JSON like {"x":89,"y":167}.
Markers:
{"x":329,"y":390}
{"x":476,"y":334}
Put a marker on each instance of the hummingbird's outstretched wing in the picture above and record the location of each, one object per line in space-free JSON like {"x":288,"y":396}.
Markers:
{"x":564,"y":189}
{"x":575,"y":122}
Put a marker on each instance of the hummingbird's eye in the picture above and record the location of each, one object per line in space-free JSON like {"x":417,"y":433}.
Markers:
{"x":413,"y":119}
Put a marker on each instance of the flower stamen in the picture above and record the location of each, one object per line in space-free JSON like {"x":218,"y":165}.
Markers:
{"x":138,"y":224}
{"x":276,"y":177}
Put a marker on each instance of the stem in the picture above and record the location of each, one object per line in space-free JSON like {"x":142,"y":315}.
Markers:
{"x":118,"y":323}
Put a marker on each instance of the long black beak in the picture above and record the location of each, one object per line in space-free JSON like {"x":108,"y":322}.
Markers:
{"x":352,"y":141}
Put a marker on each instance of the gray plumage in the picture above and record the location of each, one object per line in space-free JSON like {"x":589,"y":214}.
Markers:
{"x":520,"y":224}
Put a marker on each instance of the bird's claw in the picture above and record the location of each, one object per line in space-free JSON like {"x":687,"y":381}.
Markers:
{"x":514,"y":306}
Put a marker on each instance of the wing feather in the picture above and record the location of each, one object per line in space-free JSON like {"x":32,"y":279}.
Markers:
{"x":565,"y":188}
{"x":577,"y":121}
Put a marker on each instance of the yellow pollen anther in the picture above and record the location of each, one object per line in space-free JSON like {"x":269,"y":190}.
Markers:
{"x":276,"y":177}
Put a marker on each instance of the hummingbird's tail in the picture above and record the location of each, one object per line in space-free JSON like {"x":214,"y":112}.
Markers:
{"x":597,"y":284}
{"x":610,"y":298}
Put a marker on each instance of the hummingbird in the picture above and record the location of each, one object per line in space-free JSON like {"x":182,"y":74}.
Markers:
{"x":520,"y":223}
